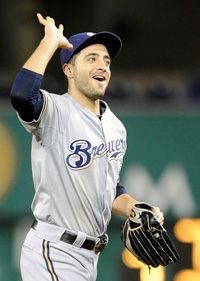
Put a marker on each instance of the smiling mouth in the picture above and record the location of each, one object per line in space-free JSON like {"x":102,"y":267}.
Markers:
{"x":99,"y":78}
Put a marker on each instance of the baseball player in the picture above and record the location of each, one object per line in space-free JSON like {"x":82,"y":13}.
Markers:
{"x":78,"y":146}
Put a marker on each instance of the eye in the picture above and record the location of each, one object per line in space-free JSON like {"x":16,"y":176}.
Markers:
{"x":91,"y":59}
{"x":107,"y":62}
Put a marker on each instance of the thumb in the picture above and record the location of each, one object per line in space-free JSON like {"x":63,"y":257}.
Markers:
{"x":65,"y":43}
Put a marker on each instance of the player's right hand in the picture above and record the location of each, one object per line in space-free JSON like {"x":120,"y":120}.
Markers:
{"x":54,"y":34}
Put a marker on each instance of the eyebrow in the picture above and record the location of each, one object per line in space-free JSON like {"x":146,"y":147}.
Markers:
{"x":95,"y":54}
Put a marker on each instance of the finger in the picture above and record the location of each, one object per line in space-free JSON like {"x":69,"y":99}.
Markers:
{"x":159,"y":215}
{"x":61,"y":27}
{"x":156,"y":210}
{"x":160,"y":218}
{"x":50,"y":19}
{"x":41,"y":19}
{"x":67,"y":45}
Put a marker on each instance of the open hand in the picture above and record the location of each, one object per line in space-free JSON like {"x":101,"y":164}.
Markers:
{"x":54,"y":34}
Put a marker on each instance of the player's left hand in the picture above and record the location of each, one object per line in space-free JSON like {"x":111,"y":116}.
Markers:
{"x":146,"y":238}
{"x":158,"y":214}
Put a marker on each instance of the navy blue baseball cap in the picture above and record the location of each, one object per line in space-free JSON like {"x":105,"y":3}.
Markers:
{"x":82,"y":40}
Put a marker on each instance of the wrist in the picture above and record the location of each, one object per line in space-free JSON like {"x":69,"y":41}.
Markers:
{"x":49,"y":44}
{"x":129,"y":203}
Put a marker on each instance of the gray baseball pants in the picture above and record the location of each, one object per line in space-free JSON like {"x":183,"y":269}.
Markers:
{"x":45,"y":257}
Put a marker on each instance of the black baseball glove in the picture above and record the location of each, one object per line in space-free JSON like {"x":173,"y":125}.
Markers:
{"x":147,"y":239}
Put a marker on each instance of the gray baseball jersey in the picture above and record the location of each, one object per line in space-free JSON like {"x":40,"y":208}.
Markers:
{"x":76,"y":161}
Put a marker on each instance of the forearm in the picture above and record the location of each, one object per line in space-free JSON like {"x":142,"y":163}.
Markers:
{"x":123,"y":204}
{"x":40,"y":58}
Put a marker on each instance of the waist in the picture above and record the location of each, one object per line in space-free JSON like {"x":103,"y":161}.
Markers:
{"x":79,"y":239}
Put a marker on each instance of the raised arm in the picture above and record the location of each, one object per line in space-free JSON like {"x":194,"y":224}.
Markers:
{"x":26,"y":96}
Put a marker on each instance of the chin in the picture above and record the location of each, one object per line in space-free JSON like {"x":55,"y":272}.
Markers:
{"x":101,"y":94}
{"x":97,"y":95}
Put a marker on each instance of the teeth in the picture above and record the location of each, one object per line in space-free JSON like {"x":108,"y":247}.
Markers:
{"x":99,"y":77}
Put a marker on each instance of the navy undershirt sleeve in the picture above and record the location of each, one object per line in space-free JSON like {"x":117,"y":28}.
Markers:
{"x":26,"y":97}
{"x":120,"y":190}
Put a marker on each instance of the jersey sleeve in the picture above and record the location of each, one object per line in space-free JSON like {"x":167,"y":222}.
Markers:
{"x":26,"y":96}
{"x":49,"y":125}
{"x":120,"y":190}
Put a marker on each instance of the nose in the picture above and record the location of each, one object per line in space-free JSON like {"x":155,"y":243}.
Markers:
{"x":101,"y":64}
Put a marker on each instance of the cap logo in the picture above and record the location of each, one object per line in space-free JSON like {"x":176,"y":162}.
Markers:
{"x":90,"y":33}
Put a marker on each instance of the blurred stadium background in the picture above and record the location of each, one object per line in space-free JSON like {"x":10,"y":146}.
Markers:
{"x":155,"y":90}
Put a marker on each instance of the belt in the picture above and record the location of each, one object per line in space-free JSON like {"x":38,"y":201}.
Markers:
{"x":70,"y":238}
{"x":96,"y":246}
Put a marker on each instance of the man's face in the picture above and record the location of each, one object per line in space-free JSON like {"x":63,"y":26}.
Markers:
{"x":91,"y":71}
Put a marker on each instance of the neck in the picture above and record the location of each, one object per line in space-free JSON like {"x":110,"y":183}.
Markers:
{"x":90,"y":104}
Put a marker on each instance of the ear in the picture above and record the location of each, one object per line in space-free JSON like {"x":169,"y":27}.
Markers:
{"x":68,"y":70}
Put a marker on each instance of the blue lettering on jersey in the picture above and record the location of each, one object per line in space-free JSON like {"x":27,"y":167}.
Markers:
{"x":83,"y":152}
